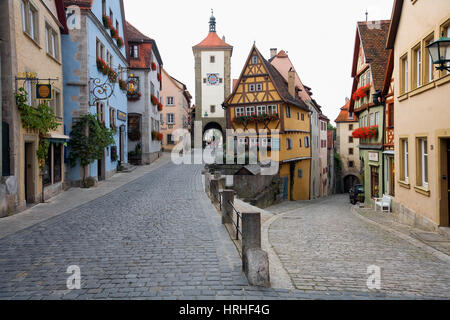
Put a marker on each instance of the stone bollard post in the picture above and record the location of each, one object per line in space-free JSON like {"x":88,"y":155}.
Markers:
{"x":251,"y":231}
{"x":222,"y":183}
{"x":255,"y":262}
{"x":227,"y":209}
{"x":207,"y":182}
{"x":214,"y":191}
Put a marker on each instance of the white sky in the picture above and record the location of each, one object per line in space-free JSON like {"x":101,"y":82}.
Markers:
{"x":319,"y":36}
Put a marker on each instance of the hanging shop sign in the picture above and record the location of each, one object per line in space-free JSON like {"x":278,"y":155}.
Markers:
{"x":44,"y":91}
{"x":122,"y":116}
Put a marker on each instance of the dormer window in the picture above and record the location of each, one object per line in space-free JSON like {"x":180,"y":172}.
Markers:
{"x":134,"y":51}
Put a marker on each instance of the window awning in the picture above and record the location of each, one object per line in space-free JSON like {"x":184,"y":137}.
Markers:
{"x":57,"y":137}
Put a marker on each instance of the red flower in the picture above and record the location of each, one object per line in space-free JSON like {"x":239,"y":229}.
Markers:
{"x":153,"y":66}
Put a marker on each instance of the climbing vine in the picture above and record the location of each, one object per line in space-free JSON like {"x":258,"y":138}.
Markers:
{"x":89,"y":138}
{"x":41,"y":119}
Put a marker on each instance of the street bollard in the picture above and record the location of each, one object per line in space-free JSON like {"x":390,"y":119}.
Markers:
{"x":207,"y":183}
{"x":214,"y":191}
{"x":227,"y":209}
{"x":251,"y":233}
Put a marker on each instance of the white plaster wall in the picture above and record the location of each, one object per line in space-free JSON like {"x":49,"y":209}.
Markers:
{"x":213,"y":95}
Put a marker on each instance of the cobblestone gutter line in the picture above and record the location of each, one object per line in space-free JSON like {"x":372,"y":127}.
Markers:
{"x":436,"y":253}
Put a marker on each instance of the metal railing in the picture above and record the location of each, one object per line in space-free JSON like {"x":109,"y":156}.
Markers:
{"x":238,"y":220}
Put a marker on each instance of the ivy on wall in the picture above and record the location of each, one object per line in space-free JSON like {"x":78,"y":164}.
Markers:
{"x":42,"y":119}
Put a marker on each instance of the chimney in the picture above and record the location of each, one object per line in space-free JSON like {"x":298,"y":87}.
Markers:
{"x":273,"y":52}
{"x":291,"y":82}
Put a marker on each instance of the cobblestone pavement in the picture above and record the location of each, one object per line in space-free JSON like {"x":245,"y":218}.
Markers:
{"x":157,"y":237}
{"x":323,"y":246}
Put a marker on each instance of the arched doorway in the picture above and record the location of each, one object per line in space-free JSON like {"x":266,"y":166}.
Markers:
{"x":212,"y":135}
{"x":350,"y":181}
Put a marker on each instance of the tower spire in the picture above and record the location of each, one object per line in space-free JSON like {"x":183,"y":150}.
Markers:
{"x":212,"y":22}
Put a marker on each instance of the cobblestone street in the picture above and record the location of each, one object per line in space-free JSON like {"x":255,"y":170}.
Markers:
{"x":324,"y":246}
{"x":159,"y":237}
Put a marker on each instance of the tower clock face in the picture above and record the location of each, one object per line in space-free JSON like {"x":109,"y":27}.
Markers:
{"x":213,"y":79}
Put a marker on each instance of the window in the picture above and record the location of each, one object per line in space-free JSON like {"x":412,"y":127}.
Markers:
{"x":249,"y":111}
{"x":100,"y":112}
{"x":351,"y":164}
{"x":303,"y":117}
{"x":103,"y":7}
{"x":391,"y":115}
{"x":52,"y":42}
{"x":213,"y":109}
{"x":272,"y":109}
{"x":170,"y":101}
{"x":255,"y":60}
{"x":170,"y":118}
{"x":350,"y":115}
{"x":259,"y":87}
{"x":300,"y":142}
{"x":55,"y":103}
{"x":422,"y":170}
{"x":350,"y":151}
{"x":289,"y":144}
{"x":417,"y":72}
{"x":251,"y":88}
{"x":377,"y":118}
{"x":170,"y":139}
{"x":350,"y":127}
{"x":30,"y":19}
{"x":134,"y":51}
{"x":428,"y":63}
{"x":261,"y":110}
{"x":404,"y":156}
{"x":111,"y":15}
{"x":240,"y":112}
{"x":53,"y":165}
{"x":100,"y":50}
{"x":288,"y":112}
{"x":112,"y":117}
{"x":117,"y":26}
{"x":212,"y":59}
{"x":306,"y":142}
{"x":300,"y":173}
{"x":372,"y":119}
{"x":350,"y":139}
{"x":404,"y":74}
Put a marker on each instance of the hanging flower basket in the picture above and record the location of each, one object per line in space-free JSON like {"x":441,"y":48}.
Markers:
{"x":122,"y":85}
{"x":153,"y":66}
{"x":160,"y":107}
{"x":366,"y":132}
{"x":154,"y":100}
{"x":361,"y":92}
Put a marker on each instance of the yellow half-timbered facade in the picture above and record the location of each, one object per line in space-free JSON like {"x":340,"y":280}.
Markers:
{"x":262,"y":101}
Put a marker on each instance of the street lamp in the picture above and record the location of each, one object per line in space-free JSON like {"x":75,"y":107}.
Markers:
{"x":440,"y":53}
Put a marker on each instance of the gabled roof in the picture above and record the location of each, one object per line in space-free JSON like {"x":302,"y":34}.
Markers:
{"x":133,"y":35}
{"x":343,"y":115}
{"x":373,"y":35}
{"x":395,"y":20}
{"x":278,"y":81}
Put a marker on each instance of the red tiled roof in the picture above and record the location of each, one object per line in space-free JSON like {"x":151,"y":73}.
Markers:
{"x":134,"y":35}
{"x":373,"y":36}
{"x":343,"y":116}
{"x":83,"y":4}
{"x":213,"y":41}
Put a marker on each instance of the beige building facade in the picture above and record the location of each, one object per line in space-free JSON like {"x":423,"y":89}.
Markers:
{"x":32,"y":32}
{"x":422,"y":114}
{"x":347,"y":148}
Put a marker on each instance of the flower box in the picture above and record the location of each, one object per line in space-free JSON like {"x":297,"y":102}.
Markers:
{"x":135,"y":96}
{"x":153,"y":66}
{"x":154,"y":100}
{"x":365,"y":132}
{"x":160,"y":107}
{"x":361,"y":92}
{"x":257,"y":118}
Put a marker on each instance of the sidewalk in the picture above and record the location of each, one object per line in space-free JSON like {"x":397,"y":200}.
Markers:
{"x":73,"y":198}
{"x":387,"y":221}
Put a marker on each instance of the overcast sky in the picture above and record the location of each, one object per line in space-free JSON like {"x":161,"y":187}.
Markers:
{"x":319,"y":36}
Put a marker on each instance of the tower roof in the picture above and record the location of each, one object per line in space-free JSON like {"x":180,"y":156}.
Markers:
{"x":213,"y":40}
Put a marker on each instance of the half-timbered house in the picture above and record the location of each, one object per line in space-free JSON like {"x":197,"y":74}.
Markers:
{"x":264,"y":100}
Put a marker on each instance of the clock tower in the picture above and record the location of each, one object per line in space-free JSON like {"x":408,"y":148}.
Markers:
{"x":212,"y":79}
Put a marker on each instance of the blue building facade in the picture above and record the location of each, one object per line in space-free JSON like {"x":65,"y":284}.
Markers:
{"x":94,"y":46}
